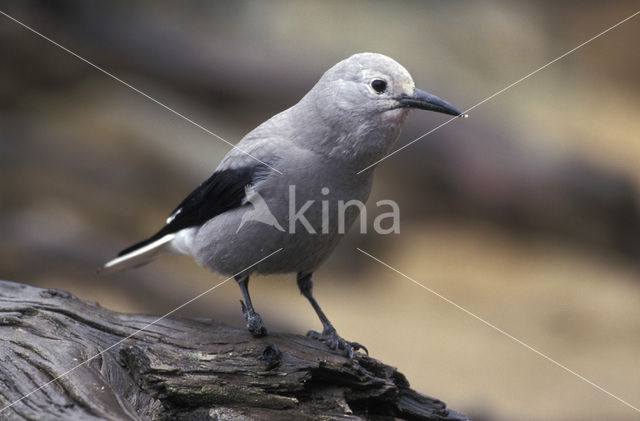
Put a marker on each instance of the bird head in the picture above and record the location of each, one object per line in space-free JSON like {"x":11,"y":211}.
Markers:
{"x":358,"y":107}
{"x":374,"y":85}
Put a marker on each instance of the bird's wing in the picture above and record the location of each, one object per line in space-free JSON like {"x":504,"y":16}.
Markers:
{"x":224,"y":190}
{"x":253,"y":159}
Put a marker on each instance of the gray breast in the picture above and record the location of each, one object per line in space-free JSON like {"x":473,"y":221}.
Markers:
{"x":306,"y":239}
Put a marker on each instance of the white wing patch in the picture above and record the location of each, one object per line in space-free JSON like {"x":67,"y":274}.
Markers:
{"x":173,"y":216}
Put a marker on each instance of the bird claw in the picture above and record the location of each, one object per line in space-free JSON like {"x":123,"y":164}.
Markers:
{"x":331,"y":338}
{"x":255,"y":325}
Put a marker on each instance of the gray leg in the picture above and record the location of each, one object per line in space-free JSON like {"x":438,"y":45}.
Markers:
{"x":254,"y":321}
{"x":329,"y":335}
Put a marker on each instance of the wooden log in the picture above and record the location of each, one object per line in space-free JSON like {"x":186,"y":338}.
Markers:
{"x":180,"y":369}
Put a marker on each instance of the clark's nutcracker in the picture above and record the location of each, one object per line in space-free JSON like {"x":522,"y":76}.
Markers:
{"x":347,"y":121}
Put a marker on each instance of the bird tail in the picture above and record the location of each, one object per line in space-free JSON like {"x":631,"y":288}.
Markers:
{"x":139,"y":254}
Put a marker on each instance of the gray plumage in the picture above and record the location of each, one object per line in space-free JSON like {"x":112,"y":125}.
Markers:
{"x":343,"y":124}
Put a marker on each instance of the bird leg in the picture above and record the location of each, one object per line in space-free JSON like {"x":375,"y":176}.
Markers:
{"x":329,"y":335}
{"x":254,"y":321}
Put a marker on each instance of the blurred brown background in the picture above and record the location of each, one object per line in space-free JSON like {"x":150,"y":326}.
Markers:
{"x":526,"y":213}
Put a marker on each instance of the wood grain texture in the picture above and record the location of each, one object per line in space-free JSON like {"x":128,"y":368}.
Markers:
{"x":181,"y":369}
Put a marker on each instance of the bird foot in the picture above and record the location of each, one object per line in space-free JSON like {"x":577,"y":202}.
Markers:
{"x":331,"y":338}
{"x":254,"y":321}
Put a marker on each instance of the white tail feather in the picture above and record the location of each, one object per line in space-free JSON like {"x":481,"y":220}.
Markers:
{"x":138,"y":257}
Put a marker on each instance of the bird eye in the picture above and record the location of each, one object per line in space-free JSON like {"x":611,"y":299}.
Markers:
{"x":379,"y":85}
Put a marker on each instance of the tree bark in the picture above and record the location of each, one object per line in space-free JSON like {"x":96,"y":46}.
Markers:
{"x":180,"y":369}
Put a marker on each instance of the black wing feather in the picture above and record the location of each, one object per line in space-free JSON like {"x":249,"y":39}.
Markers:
{"x":221,"y":192}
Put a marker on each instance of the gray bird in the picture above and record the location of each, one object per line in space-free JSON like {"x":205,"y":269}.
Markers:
{"x":348,"y":120}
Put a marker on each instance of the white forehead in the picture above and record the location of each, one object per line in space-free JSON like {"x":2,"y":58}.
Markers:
{"x":365,"y":66}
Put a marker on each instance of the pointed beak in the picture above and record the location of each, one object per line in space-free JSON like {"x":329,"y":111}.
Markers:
{"x":426,"y":101}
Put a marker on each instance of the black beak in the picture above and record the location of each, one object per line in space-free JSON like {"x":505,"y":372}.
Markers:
{"x":426,"y":101}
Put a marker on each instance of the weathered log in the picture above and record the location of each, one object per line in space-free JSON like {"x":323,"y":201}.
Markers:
{"x":181,"y":369}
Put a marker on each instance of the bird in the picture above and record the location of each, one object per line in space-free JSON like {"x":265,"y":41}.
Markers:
{"x":260,"y":211}
{"x":313,"y":150}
